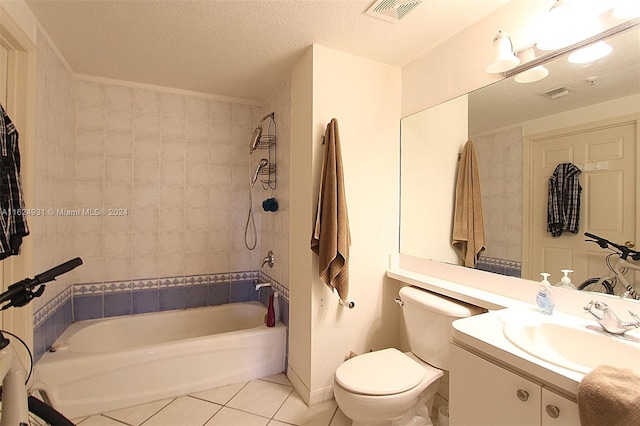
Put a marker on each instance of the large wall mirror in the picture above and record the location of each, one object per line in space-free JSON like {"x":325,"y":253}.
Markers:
{"x":500,"y":118}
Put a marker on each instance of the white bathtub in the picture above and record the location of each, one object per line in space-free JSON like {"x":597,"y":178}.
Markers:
{"x":112,"y":363}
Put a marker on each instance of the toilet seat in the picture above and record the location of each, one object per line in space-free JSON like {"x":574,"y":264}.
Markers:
{"x":384,"y":372}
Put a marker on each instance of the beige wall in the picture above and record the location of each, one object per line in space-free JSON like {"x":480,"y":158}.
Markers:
{"x":364,"y":96}
{"x":431,"y":143}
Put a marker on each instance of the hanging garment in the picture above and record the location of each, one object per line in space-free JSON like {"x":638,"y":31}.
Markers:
{"x":563,"y":212}
{"x":468,"y":222}
{"x":331,"y":236}
{"x":13,"y":218}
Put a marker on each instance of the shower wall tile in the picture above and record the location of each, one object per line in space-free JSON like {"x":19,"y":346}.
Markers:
{"x":500,"y":168}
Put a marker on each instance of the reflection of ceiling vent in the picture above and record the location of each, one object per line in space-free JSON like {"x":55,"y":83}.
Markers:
{"x":392,"y":10}
{"x":556,"y":93}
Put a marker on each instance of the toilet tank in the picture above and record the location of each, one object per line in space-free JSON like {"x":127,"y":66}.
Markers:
{"x":428,"y":319}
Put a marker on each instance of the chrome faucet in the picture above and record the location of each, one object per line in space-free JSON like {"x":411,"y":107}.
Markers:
{"x":609,"y":321}
{"x":260,"y":285}
{"x":269,"y":260}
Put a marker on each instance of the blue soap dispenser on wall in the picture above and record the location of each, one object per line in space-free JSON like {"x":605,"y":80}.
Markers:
{"x":544,"y":298}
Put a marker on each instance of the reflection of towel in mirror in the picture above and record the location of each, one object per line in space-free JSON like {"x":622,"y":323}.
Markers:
{"x":609,"y":396}
{"x":468,"y":223}
{"x":331,"y":236}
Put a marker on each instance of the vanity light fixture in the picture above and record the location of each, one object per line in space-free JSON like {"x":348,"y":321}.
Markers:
{"x":533,"y":74}
{"x":626,"y":9}
{"x":590,"y":53}
{"x":503,"y":56}
{"x":565,"y":25}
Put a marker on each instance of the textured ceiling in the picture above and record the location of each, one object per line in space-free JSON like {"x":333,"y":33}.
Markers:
{"x":235,"y":48}
{"x":507,"y":102}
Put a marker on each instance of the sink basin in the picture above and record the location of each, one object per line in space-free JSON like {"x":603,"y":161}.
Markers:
{"x":574,"y":346}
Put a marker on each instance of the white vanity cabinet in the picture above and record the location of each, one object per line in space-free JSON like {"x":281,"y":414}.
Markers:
{"x":484,"y":394}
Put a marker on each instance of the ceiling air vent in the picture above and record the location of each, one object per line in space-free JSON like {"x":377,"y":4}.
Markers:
{"x":392,"y":10}
{"x":556,"y":93}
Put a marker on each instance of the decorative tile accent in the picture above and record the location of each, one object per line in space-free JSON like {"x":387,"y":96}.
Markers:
{"x":511,"y":268}
{"x":42,"y":314}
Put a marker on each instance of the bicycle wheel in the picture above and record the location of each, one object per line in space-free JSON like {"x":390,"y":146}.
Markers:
{"x":592,"y":285}
{"x":41,"y":414}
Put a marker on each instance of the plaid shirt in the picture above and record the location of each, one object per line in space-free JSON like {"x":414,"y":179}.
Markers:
{"x":12,"y":218}
{"x":564,"y":200}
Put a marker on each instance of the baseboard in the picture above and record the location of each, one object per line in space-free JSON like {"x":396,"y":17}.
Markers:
{"x":310,"y":398}
{"x":298,"y":385}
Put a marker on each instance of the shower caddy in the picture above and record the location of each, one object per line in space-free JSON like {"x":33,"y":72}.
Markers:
{"x":267,"y":141}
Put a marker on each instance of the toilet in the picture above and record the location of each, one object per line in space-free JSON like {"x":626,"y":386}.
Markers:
{"x":388,"y":387}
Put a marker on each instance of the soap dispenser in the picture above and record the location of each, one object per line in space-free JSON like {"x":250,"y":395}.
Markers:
{"x":565,"y":282}
{"x":544,"y":298}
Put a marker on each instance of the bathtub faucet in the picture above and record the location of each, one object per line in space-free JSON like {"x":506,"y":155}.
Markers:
{"x":260,"y":285}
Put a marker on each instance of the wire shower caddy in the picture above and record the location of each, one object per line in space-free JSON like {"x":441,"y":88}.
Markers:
{"x":267,"y":141}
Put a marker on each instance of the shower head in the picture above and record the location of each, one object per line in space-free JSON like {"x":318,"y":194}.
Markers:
{"x":263,"y":163}
{"x":255,"y":139}
{"x":257,"y":133}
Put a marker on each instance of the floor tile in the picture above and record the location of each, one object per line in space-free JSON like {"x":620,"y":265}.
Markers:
{"x":278,"y":378}
{"x":99,"y":421}
{"x":220,"y":395}
{"x":295,"y":411}
{"x":260,"y":397}
{"x":184,"y":411}
{"x":277,"y":423}
{"x":230,"y":416}
{"x":138,"y":414}
{"x":340,"y":419}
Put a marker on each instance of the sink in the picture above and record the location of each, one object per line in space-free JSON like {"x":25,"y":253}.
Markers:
{"x":572,"y":346}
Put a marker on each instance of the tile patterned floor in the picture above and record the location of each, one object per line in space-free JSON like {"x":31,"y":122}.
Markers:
{"x":268,"y":401}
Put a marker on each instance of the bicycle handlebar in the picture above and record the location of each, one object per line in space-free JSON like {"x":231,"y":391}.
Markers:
{"x":604,"y":243}
{"x":21,"y":293}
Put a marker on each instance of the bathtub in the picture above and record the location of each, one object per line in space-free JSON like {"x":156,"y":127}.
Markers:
{"x":112,"y":363}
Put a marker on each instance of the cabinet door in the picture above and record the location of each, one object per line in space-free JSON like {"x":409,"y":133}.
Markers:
{"x":558,"y":410}
{"x":483,"y":394}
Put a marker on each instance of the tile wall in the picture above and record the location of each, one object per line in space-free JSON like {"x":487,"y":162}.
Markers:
{"x":500,"y":167}
{"x":54,"y":172}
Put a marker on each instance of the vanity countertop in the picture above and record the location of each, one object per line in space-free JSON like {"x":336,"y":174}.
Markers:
{"x":483,"y":334}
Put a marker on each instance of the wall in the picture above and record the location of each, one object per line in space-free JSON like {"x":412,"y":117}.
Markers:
{"x":364,"y":96}
{"x":431,"y":143}
{"x":499,"y":156}
{"x":274,"y":226}
{"x":54,"y":171}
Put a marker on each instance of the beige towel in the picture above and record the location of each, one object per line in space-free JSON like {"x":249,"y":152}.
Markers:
{"x":468,"y":225}
{"x":331,"y":237}
{"x":609,"y":396}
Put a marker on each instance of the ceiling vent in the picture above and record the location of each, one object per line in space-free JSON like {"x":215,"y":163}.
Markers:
{"x":556,"y":93}
{"x":392,"y":10}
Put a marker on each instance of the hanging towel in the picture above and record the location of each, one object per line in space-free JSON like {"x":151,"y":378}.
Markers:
{"x":468,"y":224}
{"x":13,"y":220}
{"x":331,"y":236}
{"x":563,"y":209}
{"x":609,"y":396}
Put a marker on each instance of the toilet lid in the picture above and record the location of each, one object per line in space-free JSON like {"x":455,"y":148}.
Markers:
{"x":384,"y":372}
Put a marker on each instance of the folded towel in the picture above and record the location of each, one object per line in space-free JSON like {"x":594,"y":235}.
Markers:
{"x":468,"y":223}
{"x":331,"y":236}
{"x":609,"y":396}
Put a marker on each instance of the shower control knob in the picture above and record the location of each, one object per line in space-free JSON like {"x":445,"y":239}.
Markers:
{"x":630,"y":244}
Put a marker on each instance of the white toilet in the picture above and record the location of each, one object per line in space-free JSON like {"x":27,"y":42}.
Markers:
{"x":388,"y":387}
